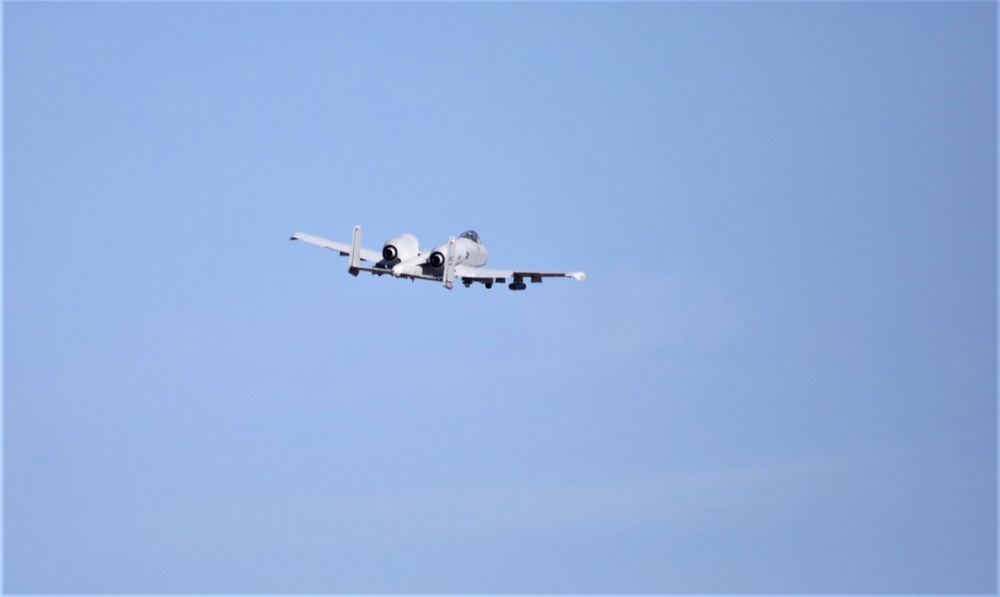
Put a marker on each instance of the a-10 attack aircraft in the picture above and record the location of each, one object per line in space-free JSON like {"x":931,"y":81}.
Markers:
{"x":401,"y":257}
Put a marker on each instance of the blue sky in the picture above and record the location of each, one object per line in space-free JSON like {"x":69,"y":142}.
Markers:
{"x":779,"y":376}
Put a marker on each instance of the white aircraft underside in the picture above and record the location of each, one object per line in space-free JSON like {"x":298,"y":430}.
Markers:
{"x":401,"y":257}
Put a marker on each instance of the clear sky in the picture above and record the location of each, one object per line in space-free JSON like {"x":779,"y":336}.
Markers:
{"x":779,"y":376}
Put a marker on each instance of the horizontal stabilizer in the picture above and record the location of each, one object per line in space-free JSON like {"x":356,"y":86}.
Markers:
{"x":342,"y":248}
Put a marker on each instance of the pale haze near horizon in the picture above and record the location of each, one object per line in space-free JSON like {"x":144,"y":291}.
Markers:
{"x":779,"y":376}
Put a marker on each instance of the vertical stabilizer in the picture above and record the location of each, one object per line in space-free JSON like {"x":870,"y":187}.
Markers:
{"x":448,"y":279}
{"x":354,"y":259}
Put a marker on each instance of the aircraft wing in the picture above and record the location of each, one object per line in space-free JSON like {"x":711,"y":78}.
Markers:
{"x":342,"y":248}
{"x":482,"y":273}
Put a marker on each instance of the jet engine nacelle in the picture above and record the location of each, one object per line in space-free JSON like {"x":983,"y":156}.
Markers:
{"x":400,"y":248}
{"x":440,"y":254}
{"x":437,"y":257}
{"x":466,"y":251}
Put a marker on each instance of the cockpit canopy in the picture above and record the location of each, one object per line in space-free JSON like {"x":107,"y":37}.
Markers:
{"x":471,"y":235}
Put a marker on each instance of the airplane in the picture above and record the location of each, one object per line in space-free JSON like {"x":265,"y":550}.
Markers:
{"x":401,"y":257}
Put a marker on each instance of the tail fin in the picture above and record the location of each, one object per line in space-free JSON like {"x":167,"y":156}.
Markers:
{"x":354,"y":259}
{"x":448,"y":279}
